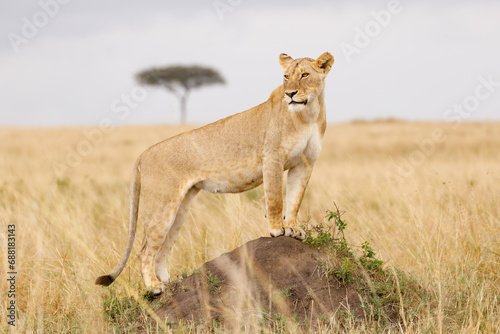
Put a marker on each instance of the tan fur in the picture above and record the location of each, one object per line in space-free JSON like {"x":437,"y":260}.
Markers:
{"x":232,"y":155}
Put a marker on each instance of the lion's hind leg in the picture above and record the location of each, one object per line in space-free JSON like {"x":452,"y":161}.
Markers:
{"x":160,"y":211}
{"x":172,"y":234}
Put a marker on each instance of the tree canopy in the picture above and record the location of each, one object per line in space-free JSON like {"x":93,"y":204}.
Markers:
{"x":180,"y":80}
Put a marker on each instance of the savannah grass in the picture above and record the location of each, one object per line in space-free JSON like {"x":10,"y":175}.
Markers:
{"x":436,"y":218}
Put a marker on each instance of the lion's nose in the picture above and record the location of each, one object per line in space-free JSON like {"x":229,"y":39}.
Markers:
{"x":291,"y":94}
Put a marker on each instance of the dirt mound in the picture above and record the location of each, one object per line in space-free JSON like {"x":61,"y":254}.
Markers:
{"x":265,"y":279}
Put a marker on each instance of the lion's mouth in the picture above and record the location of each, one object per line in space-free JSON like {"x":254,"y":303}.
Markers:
{"x":297,"y":102}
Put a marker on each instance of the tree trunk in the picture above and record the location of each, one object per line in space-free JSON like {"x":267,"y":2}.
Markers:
{"x":183,"y":101}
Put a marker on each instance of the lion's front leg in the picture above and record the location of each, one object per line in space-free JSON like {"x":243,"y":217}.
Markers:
{"x":297,"y":180}
{"x":273,"y":192}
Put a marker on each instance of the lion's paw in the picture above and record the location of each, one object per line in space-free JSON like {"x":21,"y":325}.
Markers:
{"x":157,"y":289}
{"x":277,"y":232}
{"x":296,"y":233}
{"x":300,"y":235}
{"x":289,"y":232}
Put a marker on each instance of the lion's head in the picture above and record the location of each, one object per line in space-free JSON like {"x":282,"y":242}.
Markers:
{"x":304,"y":79}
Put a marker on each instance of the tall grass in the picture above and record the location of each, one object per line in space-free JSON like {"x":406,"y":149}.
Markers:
{"x":439,"y":222}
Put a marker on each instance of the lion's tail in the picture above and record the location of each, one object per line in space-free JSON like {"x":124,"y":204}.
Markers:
{"x":135,"y":189}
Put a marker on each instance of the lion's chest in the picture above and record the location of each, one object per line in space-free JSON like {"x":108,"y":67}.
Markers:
{"x":304,"y":146}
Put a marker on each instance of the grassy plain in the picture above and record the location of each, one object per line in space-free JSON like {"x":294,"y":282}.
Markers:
{"x":425,"y":195}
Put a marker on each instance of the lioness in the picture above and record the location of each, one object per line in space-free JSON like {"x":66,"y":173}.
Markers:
{"x":232,"y":155}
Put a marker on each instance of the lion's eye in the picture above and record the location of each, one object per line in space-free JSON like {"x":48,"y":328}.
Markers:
{"x":305,"y":75}
{"x":286,"y":76}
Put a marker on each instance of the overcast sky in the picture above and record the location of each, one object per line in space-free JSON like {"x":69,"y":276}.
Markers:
{"x":74,"y":63}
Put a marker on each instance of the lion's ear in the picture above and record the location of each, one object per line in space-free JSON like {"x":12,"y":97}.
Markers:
{"x":285,"y":60}
{"x":324,"y":62}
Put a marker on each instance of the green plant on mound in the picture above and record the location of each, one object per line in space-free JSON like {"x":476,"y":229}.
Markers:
{"x":388,"y":296}
{"x":345,"y":272}
{"x":324,"y":235}
{"x":368,"y":258}
{"x":214,"y":283}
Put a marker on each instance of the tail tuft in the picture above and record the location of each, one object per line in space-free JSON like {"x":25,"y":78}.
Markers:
{"x":105,"y":280}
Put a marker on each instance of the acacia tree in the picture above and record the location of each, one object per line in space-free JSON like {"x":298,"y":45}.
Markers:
{"x":180,"y":80}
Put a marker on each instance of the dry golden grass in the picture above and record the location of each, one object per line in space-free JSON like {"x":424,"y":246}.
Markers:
{"x":435,"y":217}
